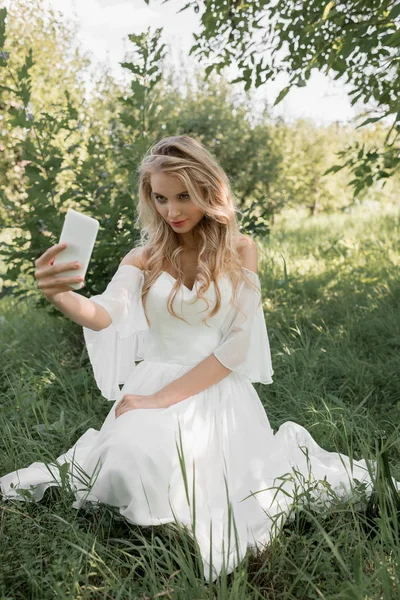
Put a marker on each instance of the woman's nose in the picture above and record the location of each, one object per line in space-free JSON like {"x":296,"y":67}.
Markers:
{"x":174,"y":214}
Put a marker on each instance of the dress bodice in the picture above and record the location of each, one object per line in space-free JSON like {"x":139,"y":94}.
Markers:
{"x":237,"y":336}
{"x":187,"y":342}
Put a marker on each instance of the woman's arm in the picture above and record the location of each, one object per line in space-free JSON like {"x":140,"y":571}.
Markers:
{"x":82,"y":310}
{"x":85,"y":311}
{"x":210,"y":370}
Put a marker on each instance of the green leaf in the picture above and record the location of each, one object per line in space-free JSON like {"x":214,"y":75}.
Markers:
{"x":282,"y":94}
{"x":237,"y":80}
{"x":63,"y":470}
{"x":370,"y":120}
{"x":209,"y":69}
{"x":4,"y":87}
{"x":395,"y":12}
{"x":19,"y":118}
{"x":333,"y":169}
{"x":393,"y":40}
{"x":3,"y":15}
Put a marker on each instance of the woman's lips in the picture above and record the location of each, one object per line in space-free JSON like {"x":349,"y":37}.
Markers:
{"x":178,"y":222}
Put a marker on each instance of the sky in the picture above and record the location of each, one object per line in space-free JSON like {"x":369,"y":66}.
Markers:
{"x":104,"y":25}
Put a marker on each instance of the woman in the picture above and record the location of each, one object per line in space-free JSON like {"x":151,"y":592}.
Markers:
{"x":187,"y":437}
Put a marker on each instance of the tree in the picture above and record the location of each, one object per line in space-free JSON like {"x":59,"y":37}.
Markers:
{"x":357,"y":40}
{"x":67,"y":154}
{"x":84,"y":154}
{"x":219,"y":118}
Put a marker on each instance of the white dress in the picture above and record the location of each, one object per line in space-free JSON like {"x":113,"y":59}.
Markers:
{"x":217,"y":444}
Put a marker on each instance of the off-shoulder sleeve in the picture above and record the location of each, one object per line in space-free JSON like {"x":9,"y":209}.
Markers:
{"x":113,"y":351}
{"x":244,"y":347}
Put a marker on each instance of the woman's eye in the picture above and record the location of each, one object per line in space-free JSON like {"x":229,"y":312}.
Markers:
{"x":161,"y":199}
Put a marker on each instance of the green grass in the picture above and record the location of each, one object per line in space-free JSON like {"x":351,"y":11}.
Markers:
{"x":331,"y":288}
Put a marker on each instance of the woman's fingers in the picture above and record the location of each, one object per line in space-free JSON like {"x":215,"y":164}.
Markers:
{"x":50,"y":254}
{"x":47,"y":273}
{"x":119,"y":407}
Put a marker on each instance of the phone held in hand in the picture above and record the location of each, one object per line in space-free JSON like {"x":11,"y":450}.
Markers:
{"x":79,"y":232}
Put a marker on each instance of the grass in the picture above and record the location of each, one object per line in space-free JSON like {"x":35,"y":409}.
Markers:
{"x":331,"y":290}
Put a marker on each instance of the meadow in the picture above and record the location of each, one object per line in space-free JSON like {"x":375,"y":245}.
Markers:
{"x":331,"y":292}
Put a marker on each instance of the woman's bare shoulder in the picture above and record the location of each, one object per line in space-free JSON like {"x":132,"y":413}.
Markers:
{"x":247,"y":249}
{"x":244,"y":241}
{"x":137,"y":257}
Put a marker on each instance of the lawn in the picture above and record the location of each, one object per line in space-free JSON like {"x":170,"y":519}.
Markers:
{"x":331,"y":290}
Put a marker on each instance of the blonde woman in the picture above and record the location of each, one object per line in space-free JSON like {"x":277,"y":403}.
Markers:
{"x":185,"y":304}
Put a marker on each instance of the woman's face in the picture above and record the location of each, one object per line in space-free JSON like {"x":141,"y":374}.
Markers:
{"x":173,"y":202}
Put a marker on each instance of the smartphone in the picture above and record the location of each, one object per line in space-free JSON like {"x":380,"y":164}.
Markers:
{"x":79,"y":232}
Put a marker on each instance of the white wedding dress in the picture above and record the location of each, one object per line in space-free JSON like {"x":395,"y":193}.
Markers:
{"x":212,"y":461}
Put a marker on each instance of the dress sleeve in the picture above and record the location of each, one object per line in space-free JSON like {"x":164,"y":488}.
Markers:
{"x":244,"y":347}
{"x":113,"y":351}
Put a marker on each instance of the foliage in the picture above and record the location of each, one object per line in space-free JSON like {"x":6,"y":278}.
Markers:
{"x":38,"y":79}
{"x":62,"y":150}
{"x":219,"y":118}
{"x":356,"y":40}
{"x":67,"y":138}
{"x":86,"y":157}
{"x":306,"y":152}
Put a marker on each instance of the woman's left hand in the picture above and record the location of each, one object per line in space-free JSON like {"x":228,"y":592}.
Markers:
{"x":132,"y":401}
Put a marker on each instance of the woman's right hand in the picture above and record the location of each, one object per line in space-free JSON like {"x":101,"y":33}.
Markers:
{"x":45,"y":273}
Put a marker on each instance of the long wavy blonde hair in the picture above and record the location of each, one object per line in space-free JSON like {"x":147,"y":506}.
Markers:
{"x":217,"y":232}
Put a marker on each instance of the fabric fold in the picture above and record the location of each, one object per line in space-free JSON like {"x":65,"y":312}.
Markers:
{"x":113,"y":351}
{"x":244,"y":347}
